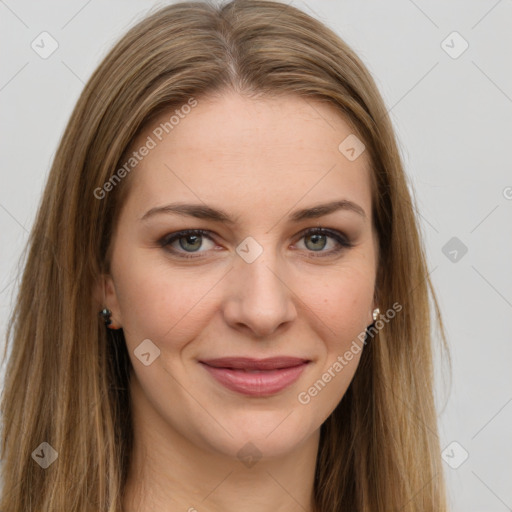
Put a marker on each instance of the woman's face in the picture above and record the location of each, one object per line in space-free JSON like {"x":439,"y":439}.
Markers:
{"x":257,"y":176}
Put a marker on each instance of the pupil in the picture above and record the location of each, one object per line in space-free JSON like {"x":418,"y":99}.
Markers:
{"x":190,"y":237}
{"x":316,"y":238}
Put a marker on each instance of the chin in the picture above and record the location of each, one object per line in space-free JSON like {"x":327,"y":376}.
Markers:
{"x":257,"y":434}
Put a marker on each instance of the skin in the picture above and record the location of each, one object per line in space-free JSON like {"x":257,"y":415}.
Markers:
{"x":259,"y":160}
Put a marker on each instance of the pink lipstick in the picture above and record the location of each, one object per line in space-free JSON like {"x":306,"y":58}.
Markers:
{"x":256,"y":377}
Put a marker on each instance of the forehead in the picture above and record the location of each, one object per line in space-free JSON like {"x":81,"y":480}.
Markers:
{"x":284,"y":149}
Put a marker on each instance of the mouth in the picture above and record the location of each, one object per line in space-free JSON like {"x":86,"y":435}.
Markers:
{"x":256,"y":377}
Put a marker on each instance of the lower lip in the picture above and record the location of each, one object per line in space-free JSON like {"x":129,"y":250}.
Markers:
{"x":262,"y":383}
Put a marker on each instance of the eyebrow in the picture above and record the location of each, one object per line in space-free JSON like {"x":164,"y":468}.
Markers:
{"x":202,"y":211}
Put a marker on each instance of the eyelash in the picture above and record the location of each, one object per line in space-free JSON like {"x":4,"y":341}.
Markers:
{"x":342,"y":241}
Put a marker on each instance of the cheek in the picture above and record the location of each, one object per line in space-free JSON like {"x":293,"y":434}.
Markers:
{"x":343,"y":303}
{"x":346,"y":312}
{"x":343,"y":311}
{"x":159,"y":304}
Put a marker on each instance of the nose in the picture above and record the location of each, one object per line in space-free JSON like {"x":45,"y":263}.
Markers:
{"x":259,"y":299}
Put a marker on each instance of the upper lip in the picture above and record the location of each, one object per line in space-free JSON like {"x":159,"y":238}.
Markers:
{"x":247,"y":363}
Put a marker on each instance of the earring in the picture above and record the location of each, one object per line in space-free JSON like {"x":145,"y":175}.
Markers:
{"x":368,"y":333}
{"x":107,"y":318}
{"x":106,"y":314}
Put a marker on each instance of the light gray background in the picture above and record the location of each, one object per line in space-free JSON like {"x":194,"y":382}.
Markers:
{"x":453,"y":118}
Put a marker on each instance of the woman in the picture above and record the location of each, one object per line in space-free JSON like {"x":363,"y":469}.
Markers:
{"x":264,"y":372}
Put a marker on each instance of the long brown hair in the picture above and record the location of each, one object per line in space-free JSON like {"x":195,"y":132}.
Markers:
{"x":67,"y":379}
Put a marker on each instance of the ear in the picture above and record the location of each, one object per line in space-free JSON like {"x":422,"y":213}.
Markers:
{"x":105,"y":295}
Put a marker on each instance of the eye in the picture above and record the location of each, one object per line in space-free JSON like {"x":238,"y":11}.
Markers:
{"x":316,"y":240}
{"x":191,"y":241}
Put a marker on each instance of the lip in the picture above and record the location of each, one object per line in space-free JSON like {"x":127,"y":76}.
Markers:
{"x":256,"y":377}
